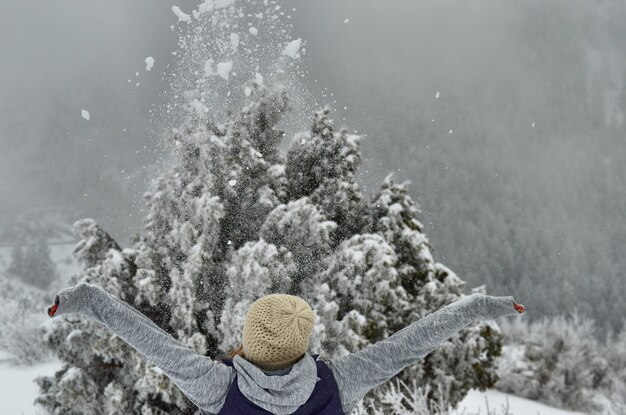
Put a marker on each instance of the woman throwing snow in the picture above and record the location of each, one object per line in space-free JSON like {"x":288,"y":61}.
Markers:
{"x":273,"y":373}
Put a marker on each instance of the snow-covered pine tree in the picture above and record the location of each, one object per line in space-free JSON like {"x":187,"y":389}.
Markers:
{"x":321,"y":164}
{"x":233,"y":220}
{"x":465,"y":361}
{"x":558,"y":360}
{"x":381,"y":276}
{"x":616,"y":357}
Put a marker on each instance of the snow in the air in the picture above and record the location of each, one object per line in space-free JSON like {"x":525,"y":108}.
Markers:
{"x":85,"y":114}
{"x":208,"y":67}
{"x":232,"y":182}
{"x":347,"y":21}
{"x":437,"y":95}
{"x":182,"y":17}
{"x":254,"y":31}
{"x":149,"y":63}
{"x":234,"y":41}
{"x":220,"y":4}
{"x":209,"y":5}
{"x":145,"y":281}
{"x":292,"y":48}
{"x":247,"y":91}
{"x":258,"y":78}
{"x":224,"y":69}
{"x":532,"y":125}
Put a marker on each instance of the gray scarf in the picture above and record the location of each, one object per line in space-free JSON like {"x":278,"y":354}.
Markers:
{"x":280,"y":392}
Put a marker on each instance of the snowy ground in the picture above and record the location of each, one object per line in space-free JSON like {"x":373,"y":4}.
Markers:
{"x":17,"y":392}
{"x":17,"y":389}
{"x":476,"y":403}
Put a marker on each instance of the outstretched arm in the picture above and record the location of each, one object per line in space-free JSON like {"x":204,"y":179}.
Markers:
{"x":358,"y":372}
{"x":204,"y":381}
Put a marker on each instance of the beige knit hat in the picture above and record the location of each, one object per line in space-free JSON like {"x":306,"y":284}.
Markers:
{"x":276,"y":331}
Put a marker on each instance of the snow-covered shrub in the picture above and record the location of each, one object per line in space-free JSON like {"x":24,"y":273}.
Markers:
{"x":616,"y":356}
{"x":555,"y":360}
{"x":21,"y":317}
{"x":401,"y":398}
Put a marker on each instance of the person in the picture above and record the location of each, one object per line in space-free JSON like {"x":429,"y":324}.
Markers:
{"x":272,"y":372}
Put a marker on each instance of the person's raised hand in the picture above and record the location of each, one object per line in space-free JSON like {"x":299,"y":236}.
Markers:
{"x":53,"y":308}
{"x":519,"y":307}
{"x":493,"y":307}
{"x":80,"y":298}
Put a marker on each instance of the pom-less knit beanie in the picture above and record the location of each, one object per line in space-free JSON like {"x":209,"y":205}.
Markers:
{"x":276,"y":331}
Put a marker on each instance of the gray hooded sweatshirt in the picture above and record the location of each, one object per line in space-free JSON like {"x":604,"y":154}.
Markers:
{"x":205,"y":381}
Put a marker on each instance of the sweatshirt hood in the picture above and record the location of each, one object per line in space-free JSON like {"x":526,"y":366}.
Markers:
{"x":279,"y":394}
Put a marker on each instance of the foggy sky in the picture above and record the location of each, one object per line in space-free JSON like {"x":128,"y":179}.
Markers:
{"x":59,"y":58}
{"x":62,"y":56}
